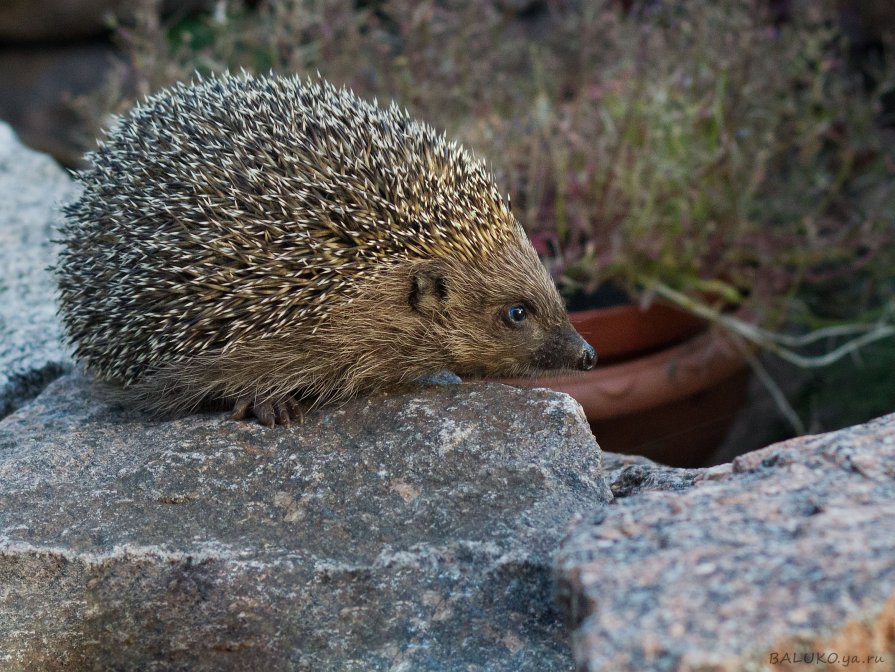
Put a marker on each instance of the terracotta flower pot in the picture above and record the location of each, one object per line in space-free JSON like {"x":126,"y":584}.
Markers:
{"x":665,"y":385}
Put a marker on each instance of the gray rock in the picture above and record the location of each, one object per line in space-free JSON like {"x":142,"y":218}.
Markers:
{"x":758,"y":564}
{"x":52,"y":96}
{"x":412,"y":531}
{"x":629,"y":475}
{"x":31,"y":187}
{"x":69,"y":20}
{"x":43,"y":20}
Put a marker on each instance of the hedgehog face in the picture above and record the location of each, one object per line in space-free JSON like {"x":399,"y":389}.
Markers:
{"x":522,"y":336}
{"x":500,"y":317}
{"x":539,"y":345}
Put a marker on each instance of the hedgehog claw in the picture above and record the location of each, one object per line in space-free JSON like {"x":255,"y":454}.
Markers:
{"x":283,"y":416}
{"x":241,"y":407}
{"x":296,"y":410}
{"x":269,"y":413}
{"x":265,"y":413}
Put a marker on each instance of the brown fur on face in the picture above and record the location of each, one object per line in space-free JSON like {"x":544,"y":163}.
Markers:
{"x":410,"y":320}
{"x":472,"y":319}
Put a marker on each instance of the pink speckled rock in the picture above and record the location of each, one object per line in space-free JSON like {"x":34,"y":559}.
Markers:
{"x":753,"y":565}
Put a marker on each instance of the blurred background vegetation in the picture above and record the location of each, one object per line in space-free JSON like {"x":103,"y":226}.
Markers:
{"x":734,"y":157}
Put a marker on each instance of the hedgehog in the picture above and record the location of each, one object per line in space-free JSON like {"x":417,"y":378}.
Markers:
{"x":270,"y":244}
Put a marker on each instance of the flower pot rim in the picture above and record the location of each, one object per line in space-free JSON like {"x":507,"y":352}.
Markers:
{"x":627,"y":331}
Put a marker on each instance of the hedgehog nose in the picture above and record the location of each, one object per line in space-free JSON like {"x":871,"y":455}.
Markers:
{"x":588,"y":358}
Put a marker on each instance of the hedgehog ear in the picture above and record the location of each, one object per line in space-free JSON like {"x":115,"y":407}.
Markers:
{"x":428,"y":290}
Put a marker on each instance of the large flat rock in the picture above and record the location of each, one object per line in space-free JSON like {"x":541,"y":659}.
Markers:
{"x":32,"y":186}
{"x":783,"y":559}
{"x":408,"y":531}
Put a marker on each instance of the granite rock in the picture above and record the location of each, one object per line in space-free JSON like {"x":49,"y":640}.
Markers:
{"x":783,"y":559}
{"x":32,"y":186}
{"x":405,"y":531}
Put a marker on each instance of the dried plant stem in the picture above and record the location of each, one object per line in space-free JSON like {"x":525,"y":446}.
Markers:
{"x":782,"y":344}
{"x":783,"y":405}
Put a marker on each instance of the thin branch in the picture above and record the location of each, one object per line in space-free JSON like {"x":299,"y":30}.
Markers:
{"x":781,"y":344}
{"x":783,"y":405}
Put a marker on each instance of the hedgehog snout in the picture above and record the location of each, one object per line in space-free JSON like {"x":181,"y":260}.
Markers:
{"x":588,"y":357}
{"x":566,"y":349}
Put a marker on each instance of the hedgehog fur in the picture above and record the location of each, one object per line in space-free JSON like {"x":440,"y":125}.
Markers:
{"x":265,"y":242}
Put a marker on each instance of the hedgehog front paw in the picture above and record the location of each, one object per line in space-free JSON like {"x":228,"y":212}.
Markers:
{"x":270,"y":412}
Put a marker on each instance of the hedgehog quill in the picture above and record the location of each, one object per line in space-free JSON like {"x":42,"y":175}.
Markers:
{"x":268,"y":244}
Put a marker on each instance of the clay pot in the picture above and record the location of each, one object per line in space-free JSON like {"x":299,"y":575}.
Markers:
{"x":665,"y":386}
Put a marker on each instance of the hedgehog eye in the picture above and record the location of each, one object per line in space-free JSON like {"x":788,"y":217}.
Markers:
{"x":516,"y":314}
